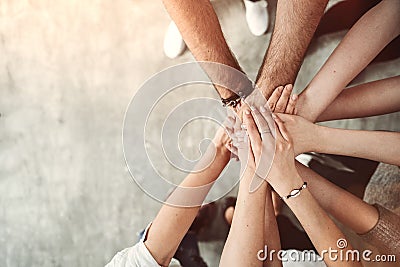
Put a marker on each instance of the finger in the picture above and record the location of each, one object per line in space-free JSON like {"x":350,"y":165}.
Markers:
{"x":231,"y":113}
{"x":238,"y":106}
{"x":284,"y":99}
{"x":237,"y":125}
{"x":252,"y":131}
{"x":261,"y":123}
{"x":268,"y":118}
{"x":291,"y":105}
{"x":282,"y":129}
{"x":229,"y":131}
{"x":230,"y":121}
{"x":229,"y":124}
{"x":283,"y":117}
{"x":229,"y":147}
{"x":233,"y":150}
{"x":273,"y":99}
{"x":240,"y":139}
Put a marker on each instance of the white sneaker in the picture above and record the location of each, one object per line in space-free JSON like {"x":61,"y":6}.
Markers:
{"x":257,"y":16}
{"x":173,"y":42}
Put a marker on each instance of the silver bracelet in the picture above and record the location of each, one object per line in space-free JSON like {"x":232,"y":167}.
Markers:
{"x":295,"y":192}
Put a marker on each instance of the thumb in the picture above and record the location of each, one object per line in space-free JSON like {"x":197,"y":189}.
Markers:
{"x":283,"y":117}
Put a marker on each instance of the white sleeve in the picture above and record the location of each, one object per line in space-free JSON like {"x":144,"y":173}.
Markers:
{"x":136,"y":256}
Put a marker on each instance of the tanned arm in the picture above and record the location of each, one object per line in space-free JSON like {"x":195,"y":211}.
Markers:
{"x":201,"y":30}
{"x":295,"y":24}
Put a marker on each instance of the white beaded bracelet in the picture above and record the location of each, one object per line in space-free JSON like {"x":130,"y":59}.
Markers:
{"x":295,"y":192}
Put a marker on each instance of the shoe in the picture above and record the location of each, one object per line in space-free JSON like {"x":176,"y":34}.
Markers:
{"x":174,"y":45}
{"x":257,"y":16}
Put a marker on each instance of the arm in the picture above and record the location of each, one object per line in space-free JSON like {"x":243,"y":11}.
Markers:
{"x":254,"y":224}
{"x":354,"y":53}
{"x":348,"y":209}
{"x":374,"y":145}
{"x":284,"y":177}
{"x":271,"y":232}
{"x":295,"y":24}
{"x":200,"y":28}
{"x":246,"y":236}
{"x":369,"y":99}
{"x":172,"y":222}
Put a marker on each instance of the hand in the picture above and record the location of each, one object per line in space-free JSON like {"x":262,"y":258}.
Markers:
{"x":239,"y":145}
{"x":260,"y":129}
{"x":281,"y":100}
{"x":305,"y":134}
{"x":282,"y":173}
{"x":221,"y":138}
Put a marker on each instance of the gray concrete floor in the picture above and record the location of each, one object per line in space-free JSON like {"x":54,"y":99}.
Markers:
{"x":68,"y":70}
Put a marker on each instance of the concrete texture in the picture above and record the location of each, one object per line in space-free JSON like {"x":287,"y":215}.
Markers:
{"x":68,"y":70}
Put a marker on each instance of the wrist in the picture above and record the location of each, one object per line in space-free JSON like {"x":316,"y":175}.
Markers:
{"x":221,"y":149}
{"x":264,"y":86}
{"x":305,"y":105}
{"x":284,"y":186}
{"x":321,"y":138}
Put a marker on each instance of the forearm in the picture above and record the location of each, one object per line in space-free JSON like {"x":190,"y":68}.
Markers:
{"x":246,"y":236}
{"x":271,"y":232}
{"x":369,"y":99}
{"x":374,"y":145}
{"x":353,"y":54}
{"x":201,"y":30}
{"x":173,"y":220}
{"x":295,"y":24}
{"x":348,"y":209}
{"x":318,"y":225}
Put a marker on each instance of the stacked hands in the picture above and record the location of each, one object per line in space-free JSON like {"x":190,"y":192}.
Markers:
{"x":266,"y":137}
{"x":262,"y":142}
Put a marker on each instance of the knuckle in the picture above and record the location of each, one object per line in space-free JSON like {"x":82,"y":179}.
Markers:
{"x":279,"y":146}
{"x":271,"y":105}
{"x":289,"y":144}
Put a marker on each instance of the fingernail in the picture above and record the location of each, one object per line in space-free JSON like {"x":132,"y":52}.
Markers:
{"x":280,"y":88}
{"x":289,"y":87}
{"x":262,"y":109}
{"x":294,"y":97}
{"x":252,"y":108}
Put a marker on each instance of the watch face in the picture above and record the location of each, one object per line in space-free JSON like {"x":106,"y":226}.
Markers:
{"x":295,"y":193}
